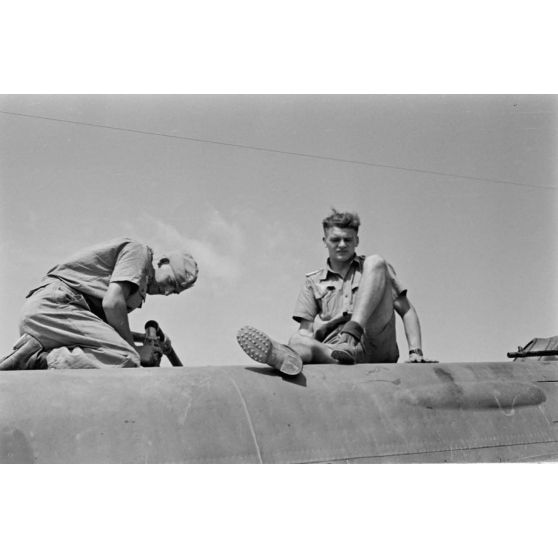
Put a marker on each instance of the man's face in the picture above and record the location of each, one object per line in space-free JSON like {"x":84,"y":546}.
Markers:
{"x":165,"y":281}
{"x":341,"y":244}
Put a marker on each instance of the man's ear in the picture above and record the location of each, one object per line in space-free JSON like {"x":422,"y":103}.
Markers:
{"x":162,"y":261}
{"x":357,"y":241}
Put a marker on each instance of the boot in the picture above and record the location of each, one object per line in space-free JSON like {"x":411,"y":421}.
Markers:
{"x":28,"y":354}
{"x":345,"y":351}
{"x":261,"y":348}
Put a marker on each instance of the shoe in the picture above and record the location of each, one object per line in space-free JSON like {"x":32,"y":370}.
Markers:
{"x":27,"y":355}
{"x":258,"y":346}
{"x":344,"y":353}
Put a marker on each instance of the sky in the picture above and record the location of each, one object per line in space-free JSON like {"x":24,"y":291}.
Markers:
{"x":458,"y":192}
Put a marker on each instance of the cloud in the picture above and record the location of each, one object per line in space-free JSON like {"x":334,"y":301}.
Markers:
{"x":218,"y":249}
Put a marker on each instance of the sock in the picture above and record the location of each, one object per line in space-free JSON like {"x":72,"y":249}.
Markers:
{"x":352,"y":331}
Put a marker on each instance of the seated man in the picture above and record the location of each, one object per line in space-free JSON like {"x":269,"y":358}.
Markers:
{"x":345,"y":310}
{"x":78,"y":315}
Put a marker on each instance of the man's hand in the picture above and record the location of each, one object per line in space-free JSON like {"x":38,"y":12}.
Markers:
{"x":165,"y":344}
{"x":150,"y":355}
{"x":419,"y":357}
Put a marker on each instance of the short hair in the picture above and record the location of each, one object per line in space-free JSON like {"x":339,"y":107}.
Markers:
{"x":343,"y":220}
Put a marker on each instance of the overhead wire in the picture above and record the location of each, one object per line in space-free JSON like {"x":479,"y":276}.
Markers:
{"x":279,"y":151}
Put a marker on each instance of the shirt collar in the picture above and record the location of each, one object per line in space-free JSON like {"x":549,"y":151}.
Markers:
{"x":356,"y":261}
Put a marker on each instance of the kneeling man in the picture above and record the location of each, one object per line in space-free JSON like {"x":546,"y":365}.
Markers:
{"x":77,"y":317}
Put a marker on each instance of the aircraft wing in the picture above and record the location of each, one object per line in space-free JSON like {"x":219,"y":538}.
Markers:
{"x":371,"y":413}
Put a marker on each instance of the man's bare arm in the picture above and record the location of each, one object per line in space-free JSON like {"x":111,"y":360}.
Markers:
{"x":411,"y":324}
{"x":116,"y":309}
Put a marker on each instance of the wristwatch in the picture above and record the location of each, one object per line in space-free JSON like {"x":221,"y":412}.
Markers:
{"x":416,"y":352}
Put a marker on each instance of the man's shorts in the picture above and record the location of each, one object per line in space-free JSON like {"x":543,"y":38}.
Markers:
{"x":382,"y":347}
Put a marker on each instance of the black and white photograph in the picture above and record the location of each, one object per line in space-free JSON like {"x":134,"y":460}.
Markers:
{"x":279,"y":278}
{"x":267,"y":264}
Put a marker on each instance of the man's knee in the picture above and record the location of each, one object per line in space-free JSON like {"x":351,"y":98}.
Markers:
{"x":375,"y":264}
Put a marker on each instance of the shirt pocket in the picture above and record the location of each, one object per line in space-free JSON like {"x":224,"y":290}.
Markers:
{"x":350,"y":304}
{"x":62,"y":294}
{"x":327,"y":301}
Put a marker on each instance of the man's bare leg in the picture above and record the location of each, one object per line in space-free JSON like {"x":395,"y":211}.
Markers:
{"x":371,"y":294}
{"x":310,"y":350}
{"x":373,"y":300}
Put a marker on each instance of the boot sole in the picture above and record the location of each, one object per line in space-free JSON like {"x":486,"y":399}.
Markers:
{"x":261,"y":348}
{"x":343,"y":357}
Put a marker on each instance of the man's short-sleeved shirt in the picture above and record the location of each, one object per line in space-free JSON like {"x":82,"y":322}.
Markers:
{"x":91,"y":270}
{"x":329,"y":296}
